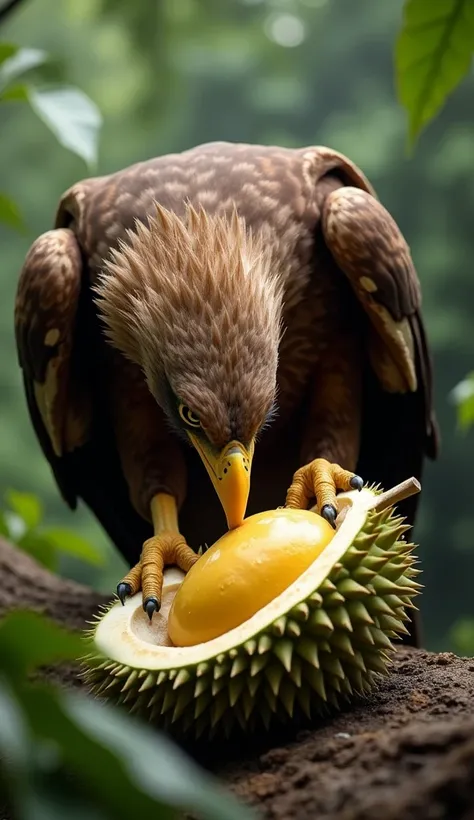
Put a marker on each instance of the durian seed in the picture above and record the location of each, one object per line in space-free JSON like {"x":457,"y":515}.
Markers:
{"x":257,"y":664}
{"x":320,"y":622}
{"x":340,"y":618}
{"x":284,"y":652}
{"x":308,"y":650}
{"x":264,"y":644}
{"x":235,"y":690}
{"x":342,"y":642}
{"x":301,"y":612}
{"x":182,"y":677}
{"x":293,"y":629}
{"x":351,"y":589}
{"x":240,"y":663}
{"x":250,"y":646}
{"x":149,"y":682}
{"x":279,"y":626}
{"x":274,"y":675}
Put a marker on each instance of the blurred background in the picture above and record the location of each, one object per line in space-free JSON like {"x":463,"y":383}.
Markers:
{"x":171,"y":74}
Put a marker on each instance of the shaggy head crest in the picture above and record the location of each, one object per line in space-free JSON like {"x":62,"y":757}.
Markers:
{"x":196,"y":302}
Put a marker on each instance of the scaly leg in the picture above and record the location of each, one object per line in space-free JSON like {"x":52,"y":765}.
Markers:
{"x":167,"y":546}
{"x":333,"y":430}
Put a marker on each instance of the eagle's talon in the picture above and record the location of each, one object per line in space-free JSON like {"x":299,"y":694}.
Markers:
{"x":150,"y":606}
{"x":357,"y":482}
{"x":123,"y":591}
{"x":329,"y":512}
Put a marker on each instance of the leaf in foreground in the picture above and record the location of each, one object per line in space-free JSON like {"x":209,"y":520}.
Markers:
{"x":29,"y":640}
{"x":27,"y":506}
{"x":72,"y":117}
{"x":433,"y":53}
{"x":68,"y":542}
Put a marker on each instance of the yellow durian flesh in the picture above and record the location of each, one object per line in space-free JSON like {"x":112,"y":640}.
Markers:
{"x":243,"y":571}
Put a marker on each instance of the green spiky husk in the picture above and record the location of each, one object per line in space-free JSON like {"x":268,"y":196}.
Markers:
{"x":331,"y":647}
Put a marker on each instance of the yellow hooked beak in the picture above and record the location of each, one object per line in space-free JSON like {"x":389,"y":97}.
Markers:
{"x":229,"y":472}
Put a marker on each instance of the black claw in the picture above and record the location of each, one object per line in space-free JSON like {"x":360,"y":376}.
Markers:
{"x":330,"y":514}
{"x":123,"y":590}
{"x":151,"y":606}
{"x":356,"y":482}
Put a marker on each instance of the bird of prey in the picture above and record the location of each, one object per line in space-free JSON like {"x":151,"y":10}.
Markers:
{"x":248,"y":311}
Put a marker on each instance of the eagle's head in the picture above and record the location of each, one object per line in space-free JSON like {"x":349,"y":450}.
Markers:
{"x":196,"y":302}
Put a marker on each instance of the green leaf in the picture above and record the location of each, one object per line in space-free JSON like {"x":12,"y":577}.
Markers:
{"x":133,"y":770}
{"x":463,"y":397}
{"x":68,"y":542}
{"x":15,"y":93}
{"x":40,"y":548}
{"x":433,"y":53}
{"x":10,"y":214}
{"x":4,"y":530}
{"x":24,"y":59}
{"x":27,"y":506}
{"x":7,"y":50}
{"x":72,"y":117}
{"x":29,"y":640}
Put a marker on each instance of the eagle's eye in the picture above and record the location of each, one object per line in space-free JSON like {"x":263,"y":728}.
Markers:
{"x":188,"y":416}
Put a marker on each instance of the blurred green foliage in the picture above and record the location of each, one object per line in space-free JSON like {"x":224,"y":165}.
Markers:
{"x":169,"y":75}
{"x":63,"y":754}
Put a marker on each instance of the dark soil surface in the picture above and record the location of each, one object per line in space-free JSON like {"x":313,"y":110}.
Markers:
{"x":404,"y":753}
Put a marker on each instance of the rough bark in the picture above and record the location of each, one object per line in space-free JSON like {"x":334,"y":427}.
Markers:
{"x":406,"y":752}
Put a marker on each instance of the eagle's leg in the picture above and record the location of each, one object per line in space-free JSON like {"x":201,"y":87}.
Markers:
{"x":331,"y":440}
{"x":167,"y":546}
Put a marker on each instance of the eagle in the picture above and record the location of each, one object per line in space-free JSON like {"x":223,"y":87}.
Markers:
{"x":212,"y":333}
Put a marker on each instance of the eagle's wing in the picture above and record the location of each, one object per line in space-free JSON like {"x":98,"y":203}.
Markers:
{"x":370,"y":249}
{"x":46,"y":313}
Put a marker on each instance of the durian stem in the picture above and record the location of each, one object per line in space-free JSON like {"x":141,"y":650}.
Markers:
{"x":396,"y":494}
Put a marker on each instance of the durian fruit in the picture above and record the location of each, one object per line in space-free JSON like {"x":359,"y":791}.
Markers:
{"x":323,"y":639}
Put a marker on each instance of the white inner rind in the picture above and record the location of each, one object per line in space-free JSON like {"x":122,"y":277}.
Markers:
{"x":125,"y":635}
